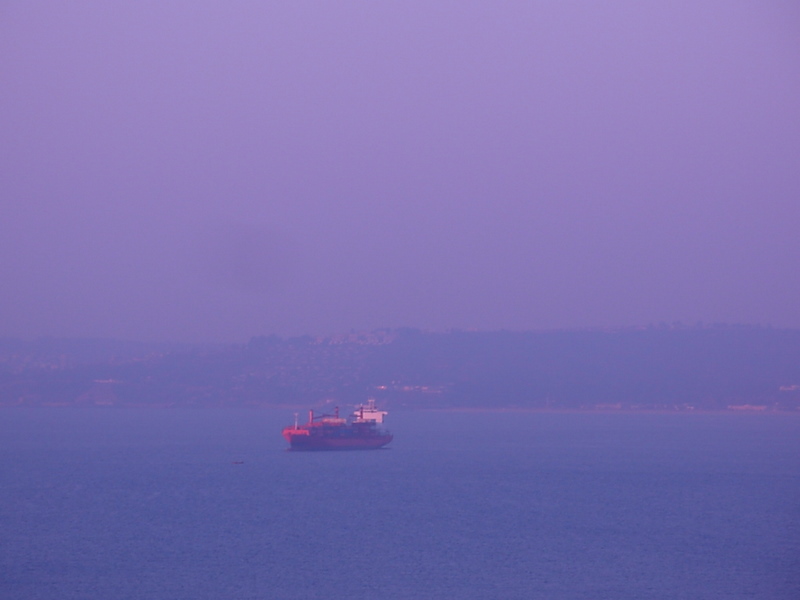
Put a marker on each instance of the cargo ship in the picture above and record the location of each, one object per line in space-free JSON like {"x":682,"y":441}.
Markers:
{"x":331,"y":432}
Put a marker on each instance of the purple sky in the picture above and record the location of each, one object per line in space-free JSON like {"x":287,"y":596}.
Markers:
{"x":210,"y":171}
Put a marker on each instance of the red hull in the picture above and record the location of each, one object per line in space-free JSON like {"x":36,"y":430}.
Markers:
{"x":317,"y":442}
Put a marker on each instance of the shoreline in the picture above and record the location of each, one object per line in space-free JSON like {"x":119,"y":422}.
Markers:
{"x":600,"y":411}
{"x":746,"y":410}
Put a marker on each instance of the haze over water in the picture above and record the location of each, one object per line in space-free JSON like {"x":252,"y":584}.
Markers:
{"x":98,"y":504}
{"x":206,"y":171}
{"x":210,"y":171}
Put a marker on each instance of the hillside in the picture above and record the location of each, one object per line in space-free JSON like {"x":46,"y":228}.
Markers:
{"x":665,"y":368}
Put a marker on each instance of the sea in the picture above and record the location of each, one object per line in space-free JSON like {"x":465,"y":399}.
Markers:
{"x":168,"y":504}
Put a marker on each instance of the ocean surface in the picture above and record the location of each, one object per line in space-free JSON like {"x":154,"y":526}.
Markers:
{"x":194,"y":504}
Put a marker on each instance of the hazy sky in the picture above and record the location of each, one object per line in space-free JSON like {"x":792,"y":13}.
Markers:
{"x":210,"y":171}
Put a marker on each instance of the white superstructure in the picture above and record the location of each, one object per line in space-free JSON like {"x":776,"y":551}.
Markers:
{"x":368,"y":413}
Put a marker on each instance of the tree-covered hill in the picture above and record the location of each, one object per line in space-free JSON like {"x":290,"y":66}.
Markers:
{"x":673,"y":368}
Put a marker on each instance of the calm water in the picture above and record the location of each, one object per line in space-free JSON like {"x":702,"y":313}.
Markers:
{"x":150,"y":504}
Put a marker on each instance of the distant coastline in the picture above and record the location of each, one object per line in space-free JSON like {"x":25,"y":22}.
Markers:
{"x":719,"y":369}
